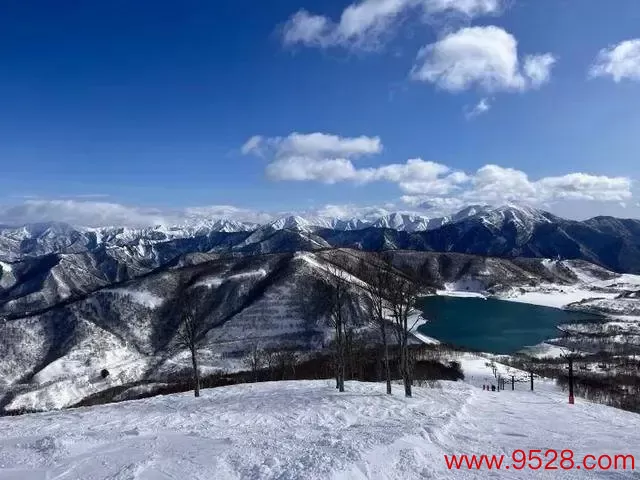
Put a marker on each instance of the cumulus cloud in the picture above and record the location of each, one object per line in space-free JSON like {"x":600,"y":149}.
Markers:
{"x":493,"y":184}
{"x":470,"y":8}
{"x":365,"y":23}
{"x":328,"y":159}
{"x":314,"y":156}
{"x":537,"y":68}
{"x":485,"y":58}
{"x":620,"y":62}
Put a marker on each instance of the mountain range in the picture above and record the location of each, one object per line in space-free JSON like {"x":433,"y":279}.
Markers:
{"x":508,"y":231}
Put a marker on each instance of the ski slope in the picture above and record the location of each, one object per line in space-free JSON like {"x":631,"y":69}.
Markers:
{"x":307,"y":430}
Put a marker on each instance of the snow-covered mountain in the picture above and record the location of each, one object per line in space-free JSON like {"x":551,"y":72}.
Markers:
{"x":43,"y":264}
{"x":52,"y":349}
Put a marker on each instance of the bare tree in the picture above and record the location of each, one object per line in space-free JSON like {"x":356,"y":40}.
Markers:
{"x":403,"y":294}
{"x":377,"y":280}
{"x":190,"y":331}
{"x":271,"y":361}
{"x":329,"y":295}
{"x":339,"y":294}
{"x":286,"y":362}
{"x":255,"y":360}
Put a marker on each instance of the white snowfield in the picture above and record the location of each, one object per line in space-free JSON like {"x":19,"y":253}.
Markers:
{"x":307,"y":430}
{"x":587,"y":287}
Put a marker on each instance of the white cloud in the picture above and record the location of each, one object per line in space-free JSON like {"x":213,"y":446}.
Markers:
{"x":353,"y":211}
{"x":327,"y":170}
{"x":307,"y":29}
{"x":470,"y":8}
{"x":365,"y":23}
{"x":252,"y":145}
{"x":324,"y":144}
{"x":328,"y":159}
{"x":482,"y":107}
{"x":485,"y":58}
{"x":100,"y":214}
{"x":494,"y":184}
{"x":434,"y":205}
{"x":314,"y":156}
{"x":581,"y":186}
{"x":85,"y":213}
{"x":538,"y":68}
{"x":621,"y":61}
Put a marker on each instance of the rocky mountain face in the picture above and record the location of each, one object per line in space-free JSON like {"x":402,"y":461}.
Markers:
{"x":52,"y":357}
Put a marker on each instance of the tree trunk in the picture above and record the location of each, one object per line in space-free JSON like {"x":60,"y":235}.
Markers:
{"x":531,"y":377}
{"x":341,"y":359}
{"x":387,"y":370}
{"x":404,"y":365}
{"x":343,"y":362}
{"x":406,"y":374}
{"x":336,"y":359}
{"x":407,"y":388}
{"x":571,"y":398}
{"x":196,"y":374}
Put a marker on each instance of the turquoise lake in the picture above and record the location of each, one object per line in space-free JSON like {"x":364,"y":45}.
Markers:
{"x":491,"y":325}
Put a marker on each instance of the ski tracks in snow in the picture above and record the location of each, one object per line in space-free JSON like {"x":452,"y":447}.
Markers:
{"x":306,"y":430}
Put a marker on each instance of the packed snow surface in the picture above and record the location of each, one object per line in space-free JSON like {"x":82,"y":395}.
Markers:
{"x":307,"y":430}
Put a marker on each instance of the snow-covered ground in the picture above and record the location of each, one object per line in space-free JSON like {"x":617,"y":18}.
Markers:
{"x":590,"y":284}
{"x":587,"y":287}
{"x":307,"y":430}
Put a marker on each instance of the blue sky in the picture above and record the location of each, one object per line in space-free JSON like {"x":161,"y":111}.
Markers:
{"x":122,"y":106}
